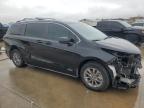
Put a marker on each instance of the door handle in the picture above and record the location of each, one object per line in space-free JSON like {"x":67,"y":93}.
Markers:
{"x":39,"y":41}
{"x":48,"y":42}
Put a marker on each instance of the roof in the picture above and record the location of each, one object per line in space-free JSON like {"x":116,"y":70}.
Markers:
{"x":35,"y":19}
{"x":28,"y":20}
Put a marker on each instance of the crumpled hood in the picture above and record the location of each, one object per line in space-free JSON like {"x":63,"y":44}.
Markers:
{"x":118,"y":44}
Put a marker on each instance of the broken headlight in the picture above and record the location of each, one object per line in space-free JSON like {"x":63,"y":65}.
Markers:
{"x":124,"y":62}
{"x":125,"y":59}
{"x":126,"y":67}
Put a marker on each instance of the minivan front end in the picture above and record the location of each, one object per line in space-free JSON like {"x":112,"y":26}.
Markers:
{"x":125,"y":68}
{"x":126,"y":63}
{"x":121,"y":58}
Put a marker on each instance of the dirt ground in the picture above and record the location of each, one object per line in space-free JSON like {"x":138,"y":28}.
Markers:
{"x":36,"y":88}
{"x":1,"y":44}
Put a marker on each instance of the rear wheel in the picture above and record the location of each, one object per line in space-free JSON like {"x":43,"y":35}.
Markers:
{"x":94,"y":76}
{"x":17,"y":58}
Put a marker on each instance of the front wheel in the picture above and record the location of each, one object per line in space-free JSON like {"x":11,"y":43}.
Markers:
{"x":94,"y":76}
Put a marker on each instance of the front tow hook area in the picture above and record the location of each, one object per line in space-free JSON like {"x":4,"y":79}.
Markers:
{"x":126,"y":80}
{"x":126,"y":83}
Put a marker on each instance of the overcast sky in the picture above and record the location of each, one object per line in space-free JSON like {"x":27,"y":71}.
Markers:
{"x":12,"y":10}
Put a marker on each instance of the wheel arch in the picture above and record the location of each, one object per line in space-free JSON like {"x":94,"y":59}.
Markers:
{"x":98,"y":61}
{"x":12,"y":47}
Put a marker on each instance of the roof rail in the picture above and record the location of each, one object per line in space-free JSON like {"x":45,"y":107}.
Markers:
{"x":35,"y":19}
{"x":26,"y":19}
{"x":38,"y":18}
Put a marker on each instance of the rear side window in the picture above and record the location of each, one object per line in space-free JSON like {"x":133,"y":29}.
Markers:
{"x":17,"y":29}
{"x":36,"y":29}
{"x":56,"y":31}
{"x":115,"y":25}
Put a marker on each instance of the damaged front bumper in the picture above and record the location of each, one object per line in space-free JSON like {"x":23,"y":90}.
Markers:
{"x":125,"y":71}
{"x":125,"y":82}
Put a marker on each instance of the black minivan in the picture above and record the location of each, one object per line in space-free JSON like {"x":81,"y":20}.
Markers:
{"x":74,"y":49}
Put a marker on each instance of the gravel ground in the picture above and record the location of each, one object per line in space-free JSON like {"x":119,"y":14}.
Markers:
{"x":1,"y":44}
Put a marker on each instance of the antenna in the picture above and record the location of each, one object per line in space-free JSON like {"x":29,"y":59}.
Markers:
{"x":38,"y":18}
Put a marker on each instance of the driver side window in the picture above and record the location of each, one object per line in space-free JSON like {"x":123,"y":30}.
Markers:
{"x":116,"y":25}
{"x":57,"y":31}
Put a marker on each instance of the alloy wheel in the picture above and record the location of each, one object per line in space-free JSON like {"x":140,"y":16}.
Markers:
{"x":93,"y":77}
{"x":17,"y":58}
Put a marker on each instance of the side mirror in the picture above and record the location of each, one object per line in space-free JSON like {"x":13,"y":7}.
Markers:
{"x":66,"y":40}
{"x":123,"y":29}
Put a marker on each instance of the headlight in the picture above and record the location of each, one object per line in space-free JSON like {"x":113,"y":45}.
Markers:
{"x":115,"y":53}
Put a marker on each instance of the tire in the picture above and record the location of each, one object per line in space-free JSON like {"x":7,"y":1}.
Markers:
{"x":101,"y":76}
{"x":17,"y":58}
{"x":133,"y":38}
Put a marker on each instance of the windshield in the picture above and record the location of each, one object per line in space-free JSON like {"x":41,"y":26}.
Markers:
{"x":88,"y":32}
{"x":125,"y":24}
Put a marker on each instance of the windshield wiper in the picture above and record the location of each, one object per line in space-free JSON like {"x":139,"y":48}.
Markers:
{"x":102,"y":39}
{"x":95,"y":40}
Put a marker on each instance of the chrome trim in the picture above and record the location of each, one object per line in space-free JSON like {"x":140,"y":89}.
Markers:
{"x":112,"y":68}
{"x":53,"y":71}
{"x":77,"y":73}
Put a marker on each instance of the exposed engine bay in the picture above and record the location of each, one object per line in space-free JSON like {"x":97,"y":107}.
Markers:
{"x":126,"y":67}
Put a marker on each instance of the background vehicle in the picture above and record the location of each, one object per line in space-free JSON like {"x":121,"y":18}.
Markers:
{"x":139,"y":24}
{"x":121,"y":29}
{"x":74,"y":49}
{"x":3,"y":30}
